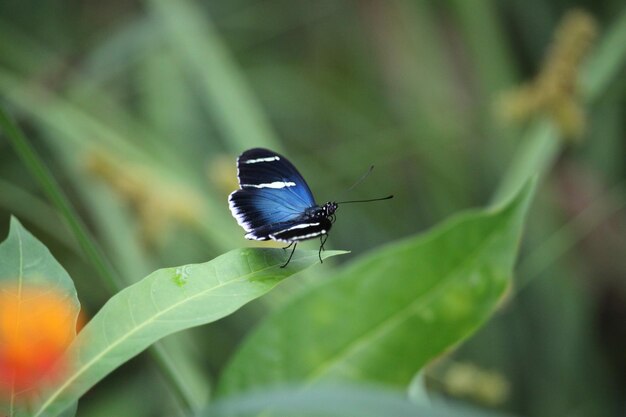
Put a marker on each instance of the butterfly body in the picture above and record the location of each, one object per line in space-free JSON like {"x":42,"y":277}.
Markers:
{"x":316,"y":221}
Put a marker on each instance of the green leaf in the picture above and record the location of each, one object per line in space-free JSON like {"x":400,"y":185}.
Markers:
{"x":166,"y":301}
{"x":383,"y":317}
{"x":24,"y":261}
{"x":336,"y":401}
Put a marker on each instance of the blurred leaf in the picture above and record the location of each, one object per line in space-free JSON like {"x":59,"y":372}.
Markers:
{"x":535,"y":155}
{"x":14,"y":198}
{"x":139,"y":393}
{"x":607,"y":60}
{"x":335,"y":400}
{"x":58,"y":198}
{"x":24,"y":261}
{"x":177,"y":360}
{"x":166,"y":301}
{"x":223,"y":84}
{"x":382,"y":318}
{"x":484,"y":34}
{"x":74,"y":132}
{"x":70,"y":411}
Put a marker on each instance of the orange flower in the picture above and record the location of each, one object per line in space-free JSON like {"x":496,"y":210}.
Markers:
{"x":36,"y":325}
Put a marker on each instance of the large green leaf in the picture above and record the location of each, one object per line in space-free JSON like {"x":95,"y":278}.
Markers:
{"x":166,"y":301}
{"x":24,"y":261}
{"x":383,"y":317}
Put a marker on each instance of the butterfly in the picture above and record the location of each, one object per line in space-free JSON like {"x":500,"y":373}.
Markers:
{"x":274,"y":202}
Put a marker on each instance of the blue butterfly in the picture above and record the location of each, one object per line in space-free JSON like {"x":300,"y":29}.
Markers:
{"x":274,"y":202}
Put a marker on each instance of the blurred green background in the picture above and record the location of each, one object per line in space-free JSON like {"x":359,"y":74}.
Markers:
{"x":140,"y":108}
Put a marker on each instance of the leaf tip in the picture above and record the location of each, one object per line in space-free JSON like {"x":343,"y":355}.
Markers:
{"x":330,"y":253}
{"x":522,"y":197}
{"x":14,"y":226}
{"x":14,"y":222}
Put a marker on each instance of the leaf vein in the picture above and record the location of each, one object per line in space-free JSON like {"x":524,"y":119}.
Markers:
{"x":54,"y":395}
{"x":394,"y":319}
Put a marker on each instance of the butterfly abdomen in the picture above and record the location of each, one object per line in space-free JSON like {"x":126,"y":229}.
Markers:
{"x":303,"y":231}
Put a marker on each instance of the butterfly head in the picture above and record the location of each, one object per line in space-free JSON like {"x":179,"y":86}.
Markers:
{"x":326,"y":211}
{"x":330,"y":208}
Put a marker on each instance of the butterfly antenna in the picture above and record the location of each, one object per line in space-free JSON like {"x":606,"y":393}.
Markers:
{"x":362,"y":178}
{"x":366,"y":201}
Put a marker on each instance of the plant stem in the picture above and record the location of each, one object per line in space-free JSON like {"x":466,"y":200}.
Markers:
{"x":53,"y":191}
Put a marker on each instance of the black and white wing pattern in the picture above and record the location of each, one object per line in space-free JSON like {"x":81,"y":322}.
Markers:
{"x":273,"y":196}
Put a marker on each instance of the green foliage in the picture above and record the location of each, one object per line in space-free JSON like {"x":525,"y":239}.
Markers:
{"x":386,"y":315}
{"x":167,"y":301}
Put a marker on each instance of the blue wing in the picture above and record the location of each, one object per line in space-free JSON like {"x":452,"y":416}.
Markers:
{"x":273,"y":194}
{"x":264,"y":169}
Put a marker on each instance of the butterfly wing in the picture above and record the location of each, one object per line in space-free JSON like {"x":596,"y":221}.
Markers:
{"x":264,"y":169}
{"x":272,"y":197}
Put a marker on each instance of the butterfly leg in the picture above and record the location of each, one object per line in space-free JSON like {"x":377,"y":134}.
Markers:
{"x":322,"y":241}
{"x":288,"y":246}
{"x":292,"y":251}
